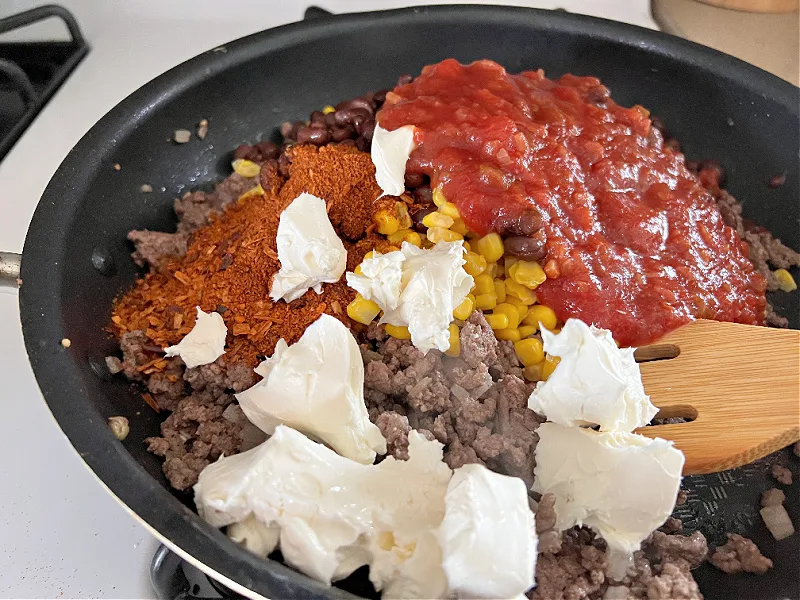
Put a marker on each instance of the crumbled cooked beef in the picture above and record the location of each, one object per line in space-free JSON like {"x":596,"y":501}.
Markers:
{"x":781,"y":474}
{"x":134,"y":353}
{"x":683,"y":496}
{"x":740,"y":555}
{"x":662,"y":548}
{"x":576,"y":570}
{"x":194,"y":435}
{"x":167,"y":386}
{"x":395,"y":429}
{"x":549,"y":536}
{"x":478,"y":343}
{"x":772,"y":497}
{"x":672,"y":525}
{"x":154,"y":248}
{"x":195,"y":208}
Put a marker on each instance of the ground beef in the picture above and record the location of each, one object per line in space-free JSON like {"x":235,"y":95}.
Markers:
{"x":154,"y":248}
{"x":478,"y":344}
{"x":167,"y":386}
{"x":576,"y":570}
{"x":194,"y":435}
{"x":781,"y":474}
{"x":689,"y":551}
{"x":772,"y":497}
{"x":135,"y":354}
{"x":740,"y":555}
{"x":195,"y":208}
{"x":395,"y":429}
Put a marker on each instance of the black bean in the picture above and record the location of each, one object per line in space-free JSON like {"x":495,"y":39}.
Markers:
{"x":283,"y":164}
{"x":362,"y":103}
{"x":296,"y":127}
{"x":339,"y":134}
{"x":268,"y":150}
{"x":421,"y":214}
{"x":348,"y":115}
{"x":414,"y":180}
{"x":424,"y":194}
{"x":304,"y":135}
{"x":318,"y":136}
{"x":317,"y":117}
{"x":525,"y":224}
{"x":330,"y":119}
{"x":366,"y":128}
{"x":527,"y":248}
{"x":348,"y":142}
{"x":379,"y":97}
{"x":286,"y":128}
{"x":241,"y":151}
{"x":363,"y":144}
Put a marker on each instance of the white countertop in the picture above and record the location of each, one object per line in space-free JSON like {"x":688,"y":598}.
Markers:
{"x":62,"y":534}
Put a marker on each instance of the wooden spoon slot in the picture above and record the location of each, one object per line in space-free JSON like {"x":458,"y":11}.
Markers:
{"x":680,"y":411}
{"x":656,"y":352}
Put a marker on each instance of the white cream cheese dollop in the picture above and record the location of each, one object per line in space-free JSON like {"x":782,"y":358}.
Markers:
{"x":390,"y":152}
{"x":488,"y":536}
{"x":622,"y":485}
{"x":204,"y":344}
{"x":334,"y":514}
{"x":309,"y":250}
{"x":317,"y":386}
{"x":595,"y":382}
{"x":432,"y":283}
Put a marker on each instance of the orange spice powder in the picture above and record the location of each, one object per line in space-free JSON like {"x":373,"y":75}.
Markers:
{"x":230,"y":262}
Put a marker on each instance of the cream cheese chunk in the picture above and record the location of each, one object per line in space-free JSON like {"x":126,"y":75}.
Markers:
{"x":595,"y":383}
{"x":488,"y":536}
{"x":432,"y":284}
{"x":334,"y":514}
{"x":317,"y":386}
{"x":390,"y":152}
{"x":309,"y":250}
{"x":204,"y":344}
{"x":622,"y":485}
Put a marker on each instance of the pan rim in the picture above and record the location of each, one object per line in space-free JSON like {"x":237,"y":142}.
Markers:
{"x":41,"y":291}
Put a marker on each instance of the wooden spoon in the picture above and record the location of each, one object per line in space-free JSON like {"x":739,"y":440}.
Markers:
{"x":740,"y":385}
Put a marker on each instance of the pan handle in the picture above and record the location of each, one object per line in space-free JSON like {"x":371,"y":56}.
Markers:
{"x":9,"y":269}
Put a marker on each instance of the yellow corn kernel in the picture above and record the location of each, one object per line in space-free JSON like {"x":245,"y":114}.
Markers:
{"x":459,"y":227}
{"x":398,"y":331}
{"x":541,"y":314}
{"x":251,"y":193}
{"x":511,"y":335}
{"x":484,"y":284}
{"x":526,"y":331}
{"x":413,"y":238}
{"x":398,"y":237}
{"x":455,"y":340}
{"x":438,"y":197}
{"x":403,"y":217}
{"x":467,"y":246}
{"x":521,"y":292}
{"x":436,"y":219}
{"x":529,"y":351}
{"x":464,"y":310}
{"x":528,"y":273}
{"x":387,"y":223}
{"x":785,"y":280}
{"x":517,"y":303}
{"x":246,"y":168}
{"x":358,"y":270}
{"x":427,"y":244}
{"x":369,"y":254}
{"x":450,"y":209}
{"x":497,"y":322}
{"x":491,"y":246}
{"x":328,"y":109}
{"x":508,"y":262}
{"x":510,"y":311}
{"x":499,"y":287}
{"x":534,"y":372}
{"x":493,"y":269}
{"x":549,"y":365}
{"x":440,"y":234}
{"x":485,"y":301}
{"x":362,"y":310}
{"x":475,"y":264}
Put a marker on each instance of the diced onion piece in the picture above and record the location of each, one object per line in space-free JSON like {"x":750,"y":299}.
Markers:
{"x":777,"y":521}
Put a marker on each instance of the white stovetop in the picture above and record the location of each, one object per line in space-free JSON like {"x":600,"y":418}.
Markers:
{"x":62,"y":534}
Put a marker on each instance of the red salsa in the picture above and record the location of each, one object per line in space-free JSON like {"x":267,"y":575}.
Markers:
{"x":634,"y":243}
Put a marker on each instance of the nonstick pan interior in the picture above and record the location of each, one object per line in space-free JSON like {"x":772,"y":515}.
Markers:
{"x":76,"y":259}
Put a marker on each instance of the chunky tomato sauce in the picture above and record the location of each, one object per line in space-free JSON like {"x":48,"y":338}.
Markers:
{"x":634,"y":243}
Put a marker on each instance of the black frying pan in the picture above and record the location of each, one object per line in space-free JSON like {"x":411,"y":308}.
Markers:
{"x":76,"y":258}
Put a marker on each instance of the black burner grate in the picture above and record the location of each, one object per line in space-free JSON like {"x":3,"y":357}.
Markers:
{"x":31,"y":72}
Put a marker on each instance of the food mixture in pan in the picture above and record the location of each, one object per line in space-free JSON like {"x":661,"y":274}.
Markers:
{"x":403,"y":338}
